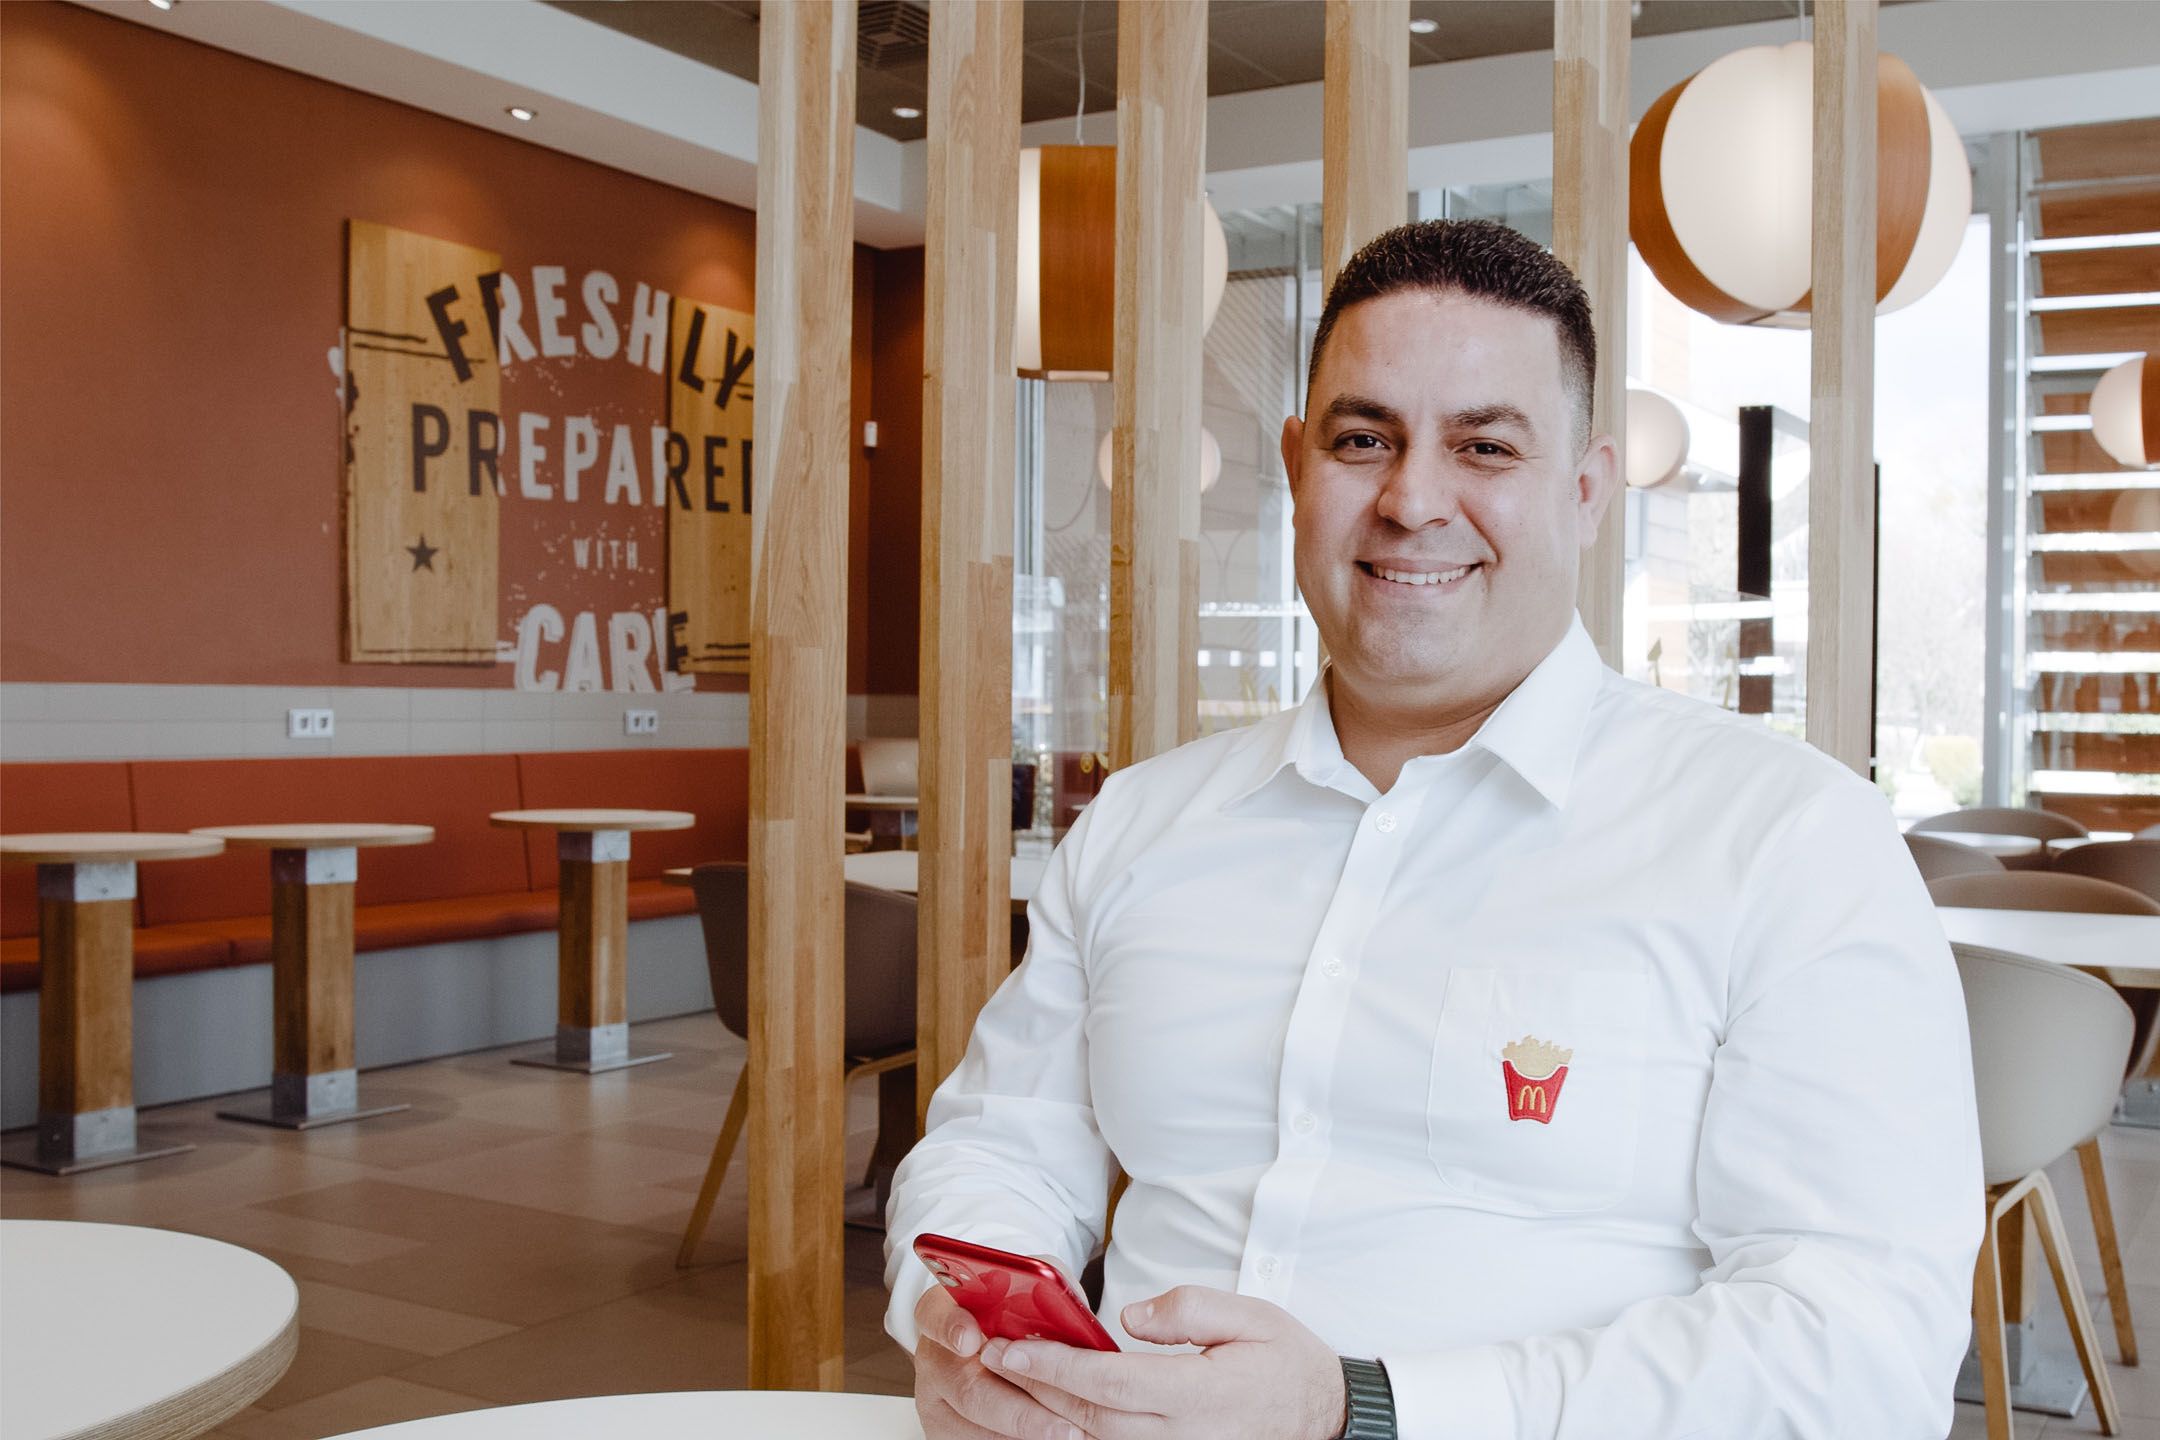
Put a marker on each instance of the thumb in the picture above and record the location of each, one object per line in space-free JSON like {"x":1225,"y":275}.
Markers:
{"x":1197,"y":1315}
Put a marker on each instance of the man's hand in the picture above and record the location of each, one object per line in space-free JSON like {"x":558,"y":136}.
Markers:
{"x":955,"y":1397}
{"x":1259,"y":1375}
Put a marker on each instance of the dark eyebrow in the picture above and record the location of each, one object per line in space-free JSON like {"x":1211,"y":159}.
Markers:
{"x":1361,"y":407}
{"x":1498,"y":413}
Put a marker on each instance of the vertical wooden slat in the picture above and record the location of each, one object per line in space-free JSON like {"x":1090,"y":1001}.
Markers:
{"x":1155,"y":494}
{"x":1364,"y":127}
{"x":966,"y":717}
{"x":1841,"y":427}
{"x":1590,"y":235}
{"x":798,"y":689}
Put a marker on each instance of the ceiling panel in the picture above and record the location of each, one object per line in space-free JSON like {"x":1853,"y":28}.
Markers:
{"x":1252,"y":44}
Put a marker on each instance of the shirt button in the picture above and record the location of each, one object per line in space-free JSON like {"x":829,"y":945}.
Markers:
{"x":1332,"y":966}
{"x":1304,"y":1124}
{"x":1384,"y":821}
{"x":1266,"y":1268}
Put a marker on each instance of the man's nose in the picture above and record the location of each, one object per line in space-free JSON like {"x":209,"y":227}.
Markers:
{"x":1421,"y":490}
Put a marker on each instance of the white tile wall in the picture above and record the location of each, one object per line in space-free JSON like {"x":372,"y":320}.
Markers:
{"x":135,"y":722}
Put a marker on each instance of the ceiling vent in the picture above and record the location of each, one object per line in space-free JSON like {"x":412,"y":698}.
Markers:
{"x":891,"y":34}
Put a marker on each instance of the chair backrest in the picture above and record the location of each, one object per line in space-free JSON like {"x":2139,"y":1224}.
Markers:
{"x":880,"y":949}
{"x":2049,"y":1045}
{"x":1937,"y":858}
{"x":2131,"y":863}
{"x":2005,"y":820}
{"x":2040,"y":890}
{"x":889,"y":766}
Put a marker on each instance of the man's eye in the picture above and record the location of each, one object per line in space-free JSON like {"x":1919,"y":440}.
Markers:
{"x":1358,"y":442}
{"x":1488,"y":449}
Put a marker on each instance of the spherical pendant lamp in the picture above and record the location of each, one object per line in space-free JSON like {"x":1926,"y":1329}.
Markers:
{"x":1067,"y":264}
{"x":1657,"y":439}
{"x":1210,"y":460}
{"x":2126,"y":412}
{"x":1720,"y":182}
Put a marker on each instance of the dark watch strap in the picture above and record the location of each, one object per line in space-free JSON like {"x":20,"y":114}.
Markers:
{"x":1370,"y":1412}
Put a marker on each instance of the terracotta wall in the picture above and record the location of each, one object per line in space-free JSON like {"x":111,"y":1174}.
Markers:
{"x":895,"y":499}
{"x":171,"y":272}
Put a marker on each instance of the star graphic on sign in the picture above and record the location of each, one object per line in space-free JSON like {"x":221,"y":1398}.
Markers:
{"x":423,"y":554}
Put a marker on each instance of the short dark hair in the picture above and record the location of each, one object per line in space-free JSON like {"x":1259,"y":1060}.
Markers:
{"x":1480,"y":258}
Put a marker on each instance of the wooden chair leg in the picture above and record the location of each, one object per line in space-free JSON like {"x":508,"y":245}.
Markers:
{"x":2111,"y":1267}
{"x":738,"y":1110}
{"x":1988,"y":1332}
{"x":2086,"y":1336}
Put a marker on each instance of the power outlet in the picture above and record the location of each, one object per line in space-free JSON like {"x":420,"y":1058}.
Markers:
{"x":310,"y":724}
{"x":641,"y":722}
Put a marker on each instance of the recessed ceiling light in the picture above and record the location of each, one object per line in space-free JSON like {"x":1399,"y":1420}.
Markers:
{"x":907,"y":112}
{"x":519,"y":112}
{"x":1423,"y":26}
{"x":164,"y":4}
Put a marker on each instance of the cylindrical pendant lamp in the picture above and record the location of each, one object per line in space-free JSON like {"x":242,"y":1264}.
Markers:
{"x":2126,"y":412}
{"x":1210,"y":460}
{"x":1068,"y":262}
{"x":1720,"y":187}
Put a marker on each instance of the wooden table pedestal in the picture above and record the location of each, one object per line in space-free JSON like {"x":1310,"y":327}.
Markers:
{"x":592,"y":956}
{"x":86,"y":1018}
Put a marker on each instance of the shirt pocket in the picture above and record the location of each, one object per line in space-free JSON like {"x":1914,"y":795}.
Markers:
{"x":1536,"y":1079}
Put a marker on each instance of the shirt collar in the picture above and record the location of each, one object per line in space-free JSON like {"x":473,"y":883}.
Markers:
{"x":1537,"y":731}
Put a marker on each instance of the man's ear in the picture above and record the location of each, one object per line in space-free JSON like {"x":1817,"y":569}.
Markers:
{"x":1293,"y":452}
{"x":1596,"y":482}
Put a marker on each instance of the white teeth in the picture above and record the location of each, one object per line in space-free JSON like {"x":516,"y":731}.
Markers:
{"x":1421,"y":577}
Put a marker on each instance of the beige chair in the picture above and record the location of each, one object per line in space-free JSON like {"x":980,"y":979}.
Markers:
{"x":891,"y":767}
{"x":2041,"y":825}
{"x":2051,"y":890}
{"x":2048,"y":1046}
{"x":880,"y":1024}
{"x":1937,"y":858}
{"x":2134,"y":864}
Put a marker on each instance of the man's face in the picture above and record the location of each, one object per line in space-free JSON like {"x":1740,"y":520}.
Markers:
{"x":1443,"y":501}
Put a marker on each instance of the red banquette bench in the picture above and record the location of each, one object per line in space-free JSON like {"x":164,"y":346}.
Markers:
{"x":474,"y":881}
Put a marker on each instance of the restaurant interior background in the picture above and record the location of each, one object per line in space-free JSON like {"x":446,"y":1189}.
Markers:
{"x":177,"y":184}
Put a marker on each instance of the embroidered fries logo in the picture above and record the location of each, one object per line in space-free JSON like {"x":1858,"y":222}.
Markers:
{"x":1533,"y":1071}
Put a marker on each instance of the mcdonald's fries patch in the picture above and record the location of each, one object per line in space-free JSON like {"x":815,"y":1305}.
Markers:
{"x":1533,"y":1071}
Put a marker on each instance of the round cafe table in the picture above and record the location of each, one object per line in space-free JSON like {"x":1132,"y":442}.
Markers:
{"x":2002,"y":847}
{"x":86,"y":995}
{"x":312,"y":871}
{"x":592,"y":952}
{"x":676,"y":1415}
{"x":120,"y":1332}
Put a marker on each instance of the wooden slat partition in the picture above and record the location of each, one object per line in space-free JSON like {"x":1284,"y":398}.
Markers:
{"x":798,"y":689}
{"x":1590,"y":235}
{"x":2123,"y":270}
{"x":2100,"y":152}
{"x":2102,"y":210}
{"x":1841,"y":430}
{"x":2096,"y":332}
{"x":1364,"y":127}
{"x":1154,"y":678}
{"x":964,"y":939}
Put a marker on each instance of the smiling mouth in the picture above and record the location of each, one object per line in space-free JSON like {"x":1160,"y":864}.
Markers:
{"x":1415,"y":577}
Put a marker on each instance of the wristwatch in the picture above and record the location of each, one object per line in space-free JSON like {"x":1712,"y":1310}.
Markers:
{"x":1369,"y":1409}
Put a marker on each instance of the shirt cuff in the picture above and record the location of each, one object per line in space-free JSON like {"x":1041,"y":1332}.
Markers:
{"x":1452,"y":1395}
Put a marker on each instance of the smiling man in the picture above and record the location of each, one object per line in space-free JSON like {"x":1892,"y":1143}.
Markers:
{"x":1497,"y":1047}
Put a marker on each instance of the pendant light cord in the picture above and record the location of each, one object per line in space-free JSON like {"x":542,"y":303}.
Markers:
{"x":1080,"y":55}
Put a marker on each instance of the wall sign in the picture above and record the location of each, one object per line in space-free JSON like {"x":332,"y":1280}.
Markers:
{"x":423,"y":446}
{"x":708,"y":476}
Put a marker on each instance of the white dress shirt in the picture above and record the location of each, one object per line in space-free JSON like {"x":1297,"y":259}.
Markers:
{"x":1749,"y":1205}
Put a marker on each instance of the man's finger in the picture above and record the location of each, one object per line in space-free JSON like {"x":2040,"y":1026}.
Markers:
{"x":1003,"y":1408}
{"x":1138,"y":1384}
{"x":941,"y":1422}
{"x":1196,"y":1315}
{"x":939,"y":1318}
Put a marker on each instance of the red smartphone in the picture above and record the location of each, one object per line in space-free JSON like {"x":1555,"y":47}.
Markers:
{"x":1013,"y":1297}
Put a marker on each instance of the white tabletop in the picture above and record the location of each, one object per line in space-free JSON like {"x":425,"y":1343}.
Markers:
{"x":688,"y":1414}
{"x":901,"y":870}
{"x":2002,"y":847}
{"x":2113,"y":942}
{"x":108,"y":1329}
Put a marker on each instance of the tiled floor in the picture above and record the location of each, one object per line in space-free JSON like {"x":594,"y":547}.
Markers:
{"x":512,"y":1238}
